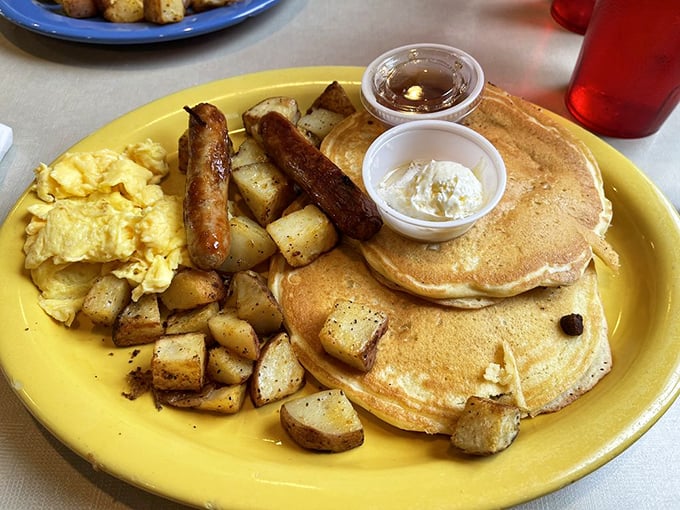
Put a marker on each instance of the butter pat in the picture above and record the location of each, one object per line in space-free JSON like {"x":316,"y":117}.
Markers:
{"x":433,"y":190}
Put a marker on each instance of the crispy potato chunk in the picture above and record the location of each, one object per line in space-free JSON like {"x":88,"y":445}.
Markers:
{"x":324,"y":421}
{"x":224,"y":399}
{"x":250,"y":245}
{"x":303,"y":235}
{"x":178,"y":362}
{"x":138,"y":323}
{"x":107,"y":297}
{"x":319,"y":123}
{"x":334,"y":98}
{"x":123,"y":11}
{"x":255,"y":303}
{"x":228,"y":368}
{"x":277,"y":372}
{"x":163,"y":11}
{"x":192,"y":321}
{"x":80,"y":8}
{"x":235,"y":334}
{"x":486,"y":426}
{"x":191,"y":288}
{"x":205,"y":5}
{"x":249,"y":152}
{"x":211,"y":397}
{"x":351,"y":333}
{"x":266,"y":190}
{"x":286,"y":106}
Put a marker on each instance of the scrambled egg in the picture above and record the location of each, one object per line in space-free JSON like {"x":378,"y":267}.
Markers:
{"x":103,"y":212}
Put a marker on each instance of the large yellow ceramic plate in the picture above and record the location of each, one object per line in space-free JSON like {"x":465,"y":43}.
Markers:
{"x":71,"y":380}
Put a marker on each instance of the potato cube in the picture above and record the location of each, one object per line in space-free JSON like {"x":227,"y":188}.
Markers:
{"x":192,"y":321}
{"x":486,"y":426}
{"x":235,"y":334}
{"x":250,"y":245}
{"x":164,"y":11}
{"x":277,"y":372}
{"x":205,"y":5}
{"x":106,"y":299}
{"x":319,"y":122}
{"x":224,"y":399}
{"x":351,"y":333}
{"x":334,"y":98}
{"x":228,"y":368}
{"x":255,"y":303}
{"x":191,"y":288}
{"x":138,"y":323}
{"x":80,"y":8}
{"x":303,"y":235}
{"x":324,"y":421}
{"x":178,"y":362}
{"x":123,"y":11}
{"x":248,"y":152}
{"x":265,"y":189}
{"x":286,"y":106}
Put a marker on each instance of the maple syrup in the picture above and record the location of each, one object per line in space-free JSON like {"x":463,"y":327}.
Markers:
{"x":420,"y":85}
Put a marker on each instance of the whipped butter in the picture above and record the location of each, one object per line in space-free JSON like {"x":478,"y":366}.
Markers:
{"x":433,"y":190}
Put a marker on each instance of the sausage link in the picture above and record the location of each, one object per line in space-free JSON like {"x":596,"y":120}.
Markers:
{"x":349,"y":208}
{"x":208,"y":171}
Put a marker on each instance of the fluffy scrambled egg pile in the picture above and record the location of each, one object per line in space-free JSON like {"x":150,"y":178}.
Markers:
{"x":103,"y":212}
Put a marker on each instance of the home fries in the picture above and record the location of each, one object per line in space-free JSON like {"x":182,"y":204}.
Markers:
{"x":274,"y":267}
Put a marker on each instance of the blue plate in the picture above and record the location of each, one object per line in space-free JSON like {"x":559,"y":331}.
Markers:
{"x":47,"y":18}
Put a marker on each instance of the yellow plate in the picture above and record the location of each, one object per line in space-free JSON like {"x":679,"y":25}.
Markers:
{"x":72,"y":380}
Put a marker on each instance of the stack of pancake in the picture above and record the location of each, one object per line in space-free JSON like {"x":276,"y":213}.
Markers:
{"x":478,"y":315}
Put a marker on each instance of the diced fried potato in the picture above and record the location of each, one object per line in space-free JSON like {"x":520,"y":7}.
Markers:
{"x":235,"y":334}
{"x":324,"y":421}
{"x":248,"y":152}
{"x":194,"y":320}
{"x":277,"y":372}
{"x":250,"y":245}
{"x":138,"y":323}
{"x":335,"y":99}
{"x":266,"y":190}
{"x":163,"y":11}
{"x":106,"y":299}
{"x":226,"y":367}
{"x":178,"y":362}
{"x":303,"y":235}
{"x":211,"y":397}
{"x":319,"y":123}
{"x":255,"y":303}
{"x":224,"y":399}
{"x":183,"y":398}
{"x":351,"y":332}
{"x":191,"y":288}
{"x":205,"y":5}
{"x":486,"y":426}
{"x":286,"y":106}
{"x":123,"y":11}
{"x":80,"y":8}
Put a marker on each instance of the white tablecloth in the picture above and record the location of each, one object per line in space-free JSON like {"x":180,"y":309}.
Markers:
{"x":54,"y":93}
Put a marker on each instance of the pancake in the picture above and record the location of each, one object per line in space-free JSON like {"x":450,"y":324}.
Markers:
{"x":432,"y":358}
{"x":551,"y":220}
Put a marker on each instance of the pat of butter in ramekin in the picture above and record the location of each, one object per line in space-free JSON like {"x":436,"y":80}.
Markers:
{"x":433,"y":190}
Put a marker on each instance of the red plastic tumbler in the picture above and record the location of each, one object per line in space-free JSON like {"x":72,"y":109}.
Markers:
{"x":573,"y":15}
{"x":627,"y":77}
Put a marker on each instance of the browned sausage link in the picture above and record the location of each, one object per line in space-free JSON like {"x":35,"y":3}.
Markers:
{"x":207,"y":179}
{"x":348,"y":207}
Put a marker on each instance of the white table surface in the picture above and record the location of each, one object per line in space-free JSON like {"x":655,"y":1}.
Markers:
{"x":54,"y":93}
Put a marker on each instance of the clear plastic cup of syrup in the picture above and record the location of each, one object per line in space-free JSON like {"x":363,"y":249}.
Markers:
{"x":422,"y":82}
